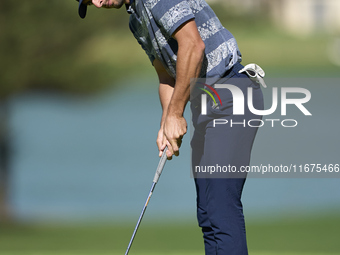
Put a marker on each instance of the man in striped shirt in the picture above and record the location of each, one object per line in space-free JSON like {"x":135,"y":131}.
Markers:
{"x":184,"y":39}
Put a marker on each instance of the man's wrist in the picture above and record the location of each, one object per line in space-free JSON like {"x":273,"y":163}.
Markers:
{"x":176,"y":108}
{"x":175,"y":112}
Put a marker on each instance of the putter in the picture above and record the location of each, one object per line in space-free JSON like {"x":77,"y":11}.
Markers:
{"x":155,"y":180}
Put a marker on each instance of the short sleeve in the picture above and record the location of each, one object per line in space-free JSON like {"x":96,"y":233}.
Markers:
{"x":171,"y":14}
{"x":141,"y":39}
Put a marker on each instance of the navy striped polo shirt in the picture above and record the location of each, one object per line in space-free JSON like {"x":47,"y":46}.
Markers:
{"x":153,"y":22}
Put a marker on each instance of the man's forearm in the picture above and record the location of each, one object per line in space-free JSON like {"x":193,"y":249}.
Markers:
{"x":189,"y":62}
{"x":165,"y":94}
{"x":166,"y":87}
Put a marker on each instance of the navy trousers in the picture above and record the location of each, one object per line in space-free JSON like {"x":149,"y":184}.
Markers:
{"x":219,"y":206}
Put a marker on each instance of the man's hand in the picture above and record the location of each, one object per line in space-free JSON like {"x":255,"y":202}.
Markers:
{"x":175,"y":127}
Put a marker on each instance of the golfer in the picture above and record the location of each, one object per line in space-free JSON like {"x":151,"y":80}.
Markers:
{"x":183,"y":40}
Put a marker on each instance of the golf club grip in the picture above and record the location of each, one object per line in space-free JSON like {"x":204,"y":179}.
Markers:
{"x":160,"y":165}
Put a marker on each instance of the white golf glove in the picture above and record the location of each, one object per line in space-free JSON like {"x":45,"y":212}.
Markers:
{"x":255,"y":73}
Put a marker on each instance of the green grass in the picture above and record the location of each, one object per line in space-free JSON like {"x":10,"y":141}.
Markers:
{"x":165,"y":253}
{"x":313,"y":236}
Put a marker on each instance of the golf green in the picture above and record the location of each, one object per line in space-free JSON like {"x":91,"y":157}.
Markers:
{"x":298,"y":236}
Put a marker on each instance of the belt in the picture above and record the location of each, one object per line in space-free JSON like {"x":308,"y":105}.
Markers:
{"x":234,"y":70}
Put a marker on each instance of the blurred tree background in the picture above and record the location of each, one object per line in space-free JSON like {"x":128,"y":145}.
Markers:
{"x":46,"y":46}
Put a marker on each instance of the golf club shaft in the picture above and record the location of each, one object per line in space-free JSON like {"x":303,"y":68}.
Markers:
{"x":155,"y":180}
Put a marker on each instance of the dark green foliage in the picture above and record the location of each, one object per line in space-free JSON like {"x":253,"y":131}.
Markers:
{"x":41,"y":46}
